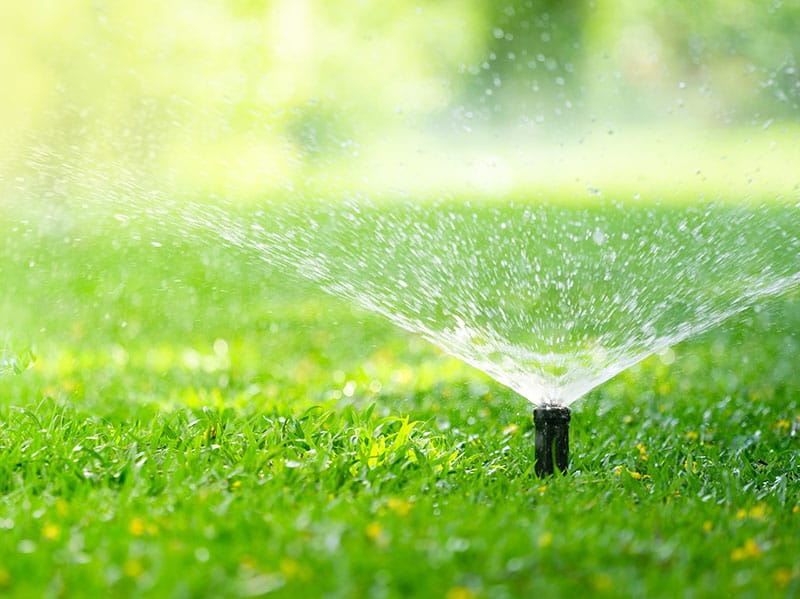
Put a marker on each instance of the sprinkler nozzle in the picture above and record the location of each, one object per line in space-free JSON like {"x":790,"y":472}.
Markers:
{"x":552,"y":439}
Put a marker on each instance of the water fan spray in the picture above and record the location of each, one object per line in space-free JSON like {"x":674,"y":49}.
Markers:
{"x":552,"y":439}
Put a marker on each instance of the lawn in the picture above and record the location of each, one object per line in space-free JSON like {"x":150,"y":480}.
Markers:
{"x":196,"y":424}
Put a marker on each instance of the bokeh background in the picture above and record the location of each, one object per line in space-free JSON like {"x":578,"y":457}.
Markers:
{"x":240,"y":97}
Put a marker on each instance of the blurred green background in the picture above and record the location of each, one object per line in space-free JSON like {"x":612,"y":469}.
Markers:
{"x":237,"y":97}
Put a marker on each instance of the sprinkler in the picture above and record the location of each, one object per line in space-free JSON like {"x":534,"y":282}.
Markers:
{"x":552,"y":439}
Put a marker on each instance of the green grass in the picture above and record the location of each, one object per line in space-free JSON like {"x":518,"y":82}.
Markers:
{"x":195,"y":425}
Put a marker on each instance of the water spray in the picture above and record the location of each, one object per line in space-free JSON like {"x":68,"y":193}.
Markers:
{"x":552,"y":439}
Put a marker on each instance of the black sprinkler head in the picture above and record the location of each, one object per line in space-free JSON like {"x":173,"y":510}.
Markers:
{"x":552,"y":439}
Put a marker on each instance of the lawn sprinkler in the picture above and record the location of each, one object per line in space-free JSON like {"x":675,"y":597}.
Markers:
{"x":552,"y":439}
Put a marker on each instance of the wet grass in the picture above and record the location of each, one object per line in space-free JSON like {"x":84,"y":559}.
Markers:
{"x":198,"y":426}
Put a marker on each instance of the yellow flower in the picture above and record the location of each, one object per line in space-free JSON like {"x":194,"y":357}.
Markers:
{"x":758,"y":512}
{"x":542,"y":489}
{"x":510,"y":429}
{"x":133,"y":568}
{"x":401,"y":507}
{"x":289,"y":567}
{"x":747,"y":551}
{"x":692,"y":436}
{"x":642,"y":451}
{"x":618,"y":470}
{"x":784,"y":576}
{"x":460,"y":593}
{"x":51,"y":532}
{"x":5,"y":578}
{"x":545,"y":540}
{"x":375,"y":533}
{"x":136,"y":527}
{"x":707,"y":526}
